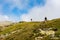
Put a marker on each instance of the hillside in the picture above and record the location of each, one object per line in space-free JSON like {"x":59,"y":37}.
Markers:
{"x":5,"y":24}
{"x":26,"y":30}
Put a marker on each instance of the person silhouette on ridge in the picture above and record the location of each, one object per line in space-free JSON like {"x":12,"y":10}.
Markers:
{"x":45,"y":18}
{"x":31,"y":19}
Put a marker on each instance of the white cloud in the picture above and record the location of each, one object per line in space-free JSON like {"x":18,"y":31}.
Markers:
{"x":8,"y":18}
{"x":4,"y":18}
{"x":50,"y":10}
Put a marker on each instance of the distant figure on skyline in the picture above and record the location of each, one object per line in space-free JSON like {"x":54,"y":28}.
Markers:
{"x":45,"y":18}
{"x":31,"y":19}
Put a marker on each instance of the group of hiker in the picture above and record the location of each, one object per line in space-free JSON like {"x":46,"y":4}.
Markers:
{"x":44,"y":19}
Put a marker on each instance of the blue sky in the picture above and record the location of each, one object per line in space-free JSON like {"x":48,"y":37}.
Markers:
{"x":23,"y":10}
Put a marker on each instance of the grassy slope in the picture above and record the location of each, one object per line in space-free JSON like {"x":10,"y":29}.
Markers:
{"x":19,"y":26}
{"x":28,"y":28}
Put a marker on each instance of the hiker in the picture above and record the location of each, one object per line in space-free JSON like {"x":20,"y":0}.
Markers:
{"x":31,"y":19}
{"x":45,"y":18}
